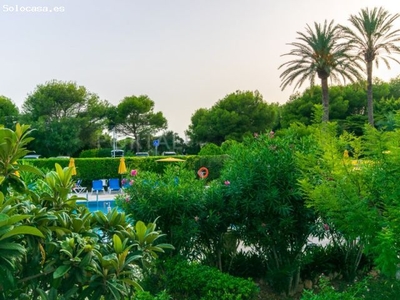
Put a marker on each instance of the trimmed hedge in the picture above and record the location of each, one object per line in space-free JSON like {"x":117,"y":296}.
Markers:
{"x":89,"y":169}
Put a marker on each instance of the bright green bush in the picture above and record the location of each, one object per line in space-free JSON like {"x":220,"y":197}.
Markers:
{"x":196,"y":218}
{"x":359,"y":201}
{"x":192,"y":281}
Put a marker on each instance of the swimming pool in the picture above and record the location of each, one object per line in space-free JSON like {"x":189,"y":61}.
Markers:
{"x":96,"y":205}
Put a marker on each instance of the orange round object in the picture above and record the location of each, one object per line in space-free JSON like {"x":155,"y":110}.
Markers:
{"x":202,"y":172}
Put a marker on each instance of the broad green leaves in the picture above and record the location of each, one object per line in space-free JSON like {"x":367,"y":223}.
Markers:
{"x":13,"y":147}
{"x":51,"y":247}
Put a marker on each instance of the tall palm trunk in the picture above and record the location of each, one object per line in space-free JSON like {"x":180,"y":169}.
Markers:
{"x":325,"y":99}
{"x":369,"y":94}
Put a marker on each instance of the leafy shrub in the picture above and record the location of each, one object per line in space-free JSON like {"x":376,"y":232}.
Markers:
{"x":210,"y":149}
{"x":196,"y":219}
{"x":382,"y":288}
{"x":361,"y":201}
{"x":213,"y":163}
{"x":192,"y":281}
{"x":225,"y":146}
{"x":369,"y":288}
{"x":173,"y":197}
{"x":327,"y":292}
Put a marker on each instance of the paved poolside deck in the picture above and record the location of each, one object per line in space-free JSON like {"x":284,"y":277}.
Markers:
{"x":99,"y":196}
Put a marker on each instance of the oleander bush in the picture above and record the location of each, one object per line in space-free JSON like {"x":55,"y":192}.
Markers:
{"x":270,"y":213}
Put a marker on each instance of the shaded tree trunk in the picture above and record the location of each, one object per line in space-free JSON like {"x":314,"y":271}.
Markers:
{"x":370,"y":101}
{"x":325,"y":99}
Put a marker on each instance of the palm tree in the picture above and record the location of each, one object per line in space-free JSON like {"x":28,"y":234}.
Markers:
{"x":374,"y":40}
{"x":320,"y":52}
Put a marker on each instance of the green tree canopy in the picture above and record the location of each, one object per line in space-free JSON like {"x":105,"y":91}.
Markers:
{"x":238,"y":114}
{"x":8,"y":112}
{"x":67,"y":118}
{"x":136,"y":117}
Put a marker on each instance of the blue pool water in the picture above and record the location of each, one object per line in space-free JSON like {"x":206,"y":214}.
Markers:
{"x":103,"y":205}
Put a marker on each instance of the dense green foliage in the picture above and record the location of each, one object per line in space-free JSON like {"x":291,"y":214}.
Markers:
{"x":269,"y":209}
{"x":194,"y":281}
{"x":174,"y":196}
{"x":255,"y":200}
{"x":53,"y":248}
{"x":8,"y":112}
{"x":210,"y":149}
{"x":65,"y":116}
{"x":359,"y":201}
{"x":232,"y":117}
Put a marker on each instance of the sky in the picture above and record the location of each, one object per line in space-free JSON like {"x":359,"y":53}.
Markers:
{"x":183,"y":54}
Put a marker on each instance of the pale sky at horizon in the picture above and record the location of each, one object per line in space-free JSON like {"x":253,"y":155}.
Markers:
{"x":183,"y":54}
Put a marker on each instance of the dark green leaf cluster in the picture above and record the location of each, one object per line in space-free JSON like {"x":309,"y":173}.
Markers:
{"x":232,"y":117}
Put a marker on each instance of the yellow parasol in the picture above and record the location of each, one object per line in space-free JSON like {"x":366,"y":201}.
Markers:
{"x":170,"y":159}
{"x":72,"y":165}
{"x":122,"y":166}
